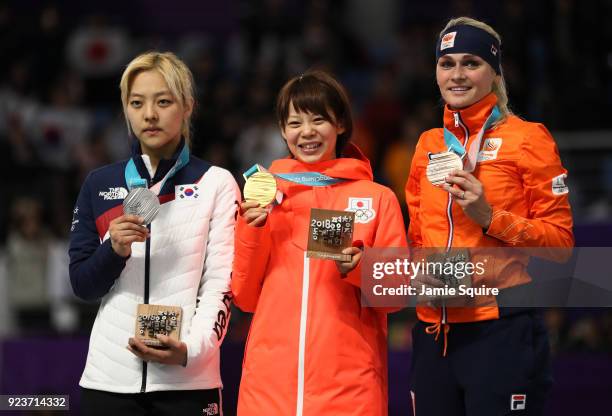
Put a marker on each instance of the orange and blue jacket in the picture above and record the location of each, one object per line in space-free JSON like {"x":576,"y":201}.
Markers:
{"x":312,"y":348}
{"x":519,"y":167}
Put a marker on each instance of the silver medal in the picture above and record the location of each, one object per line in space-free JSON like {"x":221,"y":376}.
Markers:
{"x":440,"y":165}
{"x":141,"y":202}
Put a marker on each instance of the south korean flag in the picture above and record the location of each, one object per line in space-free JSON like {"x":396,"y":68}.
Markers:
{"x":184,"y":192}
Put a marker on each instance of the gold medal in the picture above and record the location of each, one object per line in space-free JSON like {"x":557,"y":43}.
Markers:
{"x":261,"y":188}
{"x":440,"y":166}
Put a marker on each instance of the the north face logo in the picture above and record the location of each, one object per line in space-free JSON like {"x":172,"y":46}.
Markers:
{"x":114,"y":193}
{"x":211,"y":410}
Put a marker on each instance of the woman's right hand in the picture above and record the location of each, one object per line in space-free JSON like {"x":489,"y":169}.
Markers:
{"x":253,"y":214}
{"x":124,"y":231}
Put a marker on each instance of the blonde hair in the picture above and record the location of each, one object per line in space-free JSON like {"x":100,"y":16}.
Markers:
{"x":177,"y":75}
{"x":499,"y":84}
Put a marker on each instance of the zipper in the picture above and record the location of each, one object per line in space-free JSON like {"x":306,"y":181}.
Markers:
{"x":449,"y":207}
{"x":143,"y":386}
{"x":302,"y":340}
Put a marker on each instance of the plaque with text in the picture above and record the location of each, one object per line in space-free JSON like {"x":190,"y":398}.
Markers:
{"x":158,"y":319}
{"x":330,"y":232}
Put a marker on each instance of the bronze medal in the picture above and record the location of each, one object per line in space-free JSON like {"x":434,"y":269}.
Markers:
{"x":440,"y":165}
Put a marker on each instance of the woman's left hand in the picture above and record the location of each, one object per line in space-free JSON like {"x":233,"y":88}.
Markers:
{"x":175,"y":354}
{"x":346,"y":266}
{"x":469,"y":194}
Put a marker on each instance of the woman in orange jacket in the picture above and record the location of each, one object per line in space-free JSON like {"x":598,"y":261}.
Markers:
{"x":313,"y":349}
{"x":507,"y":191}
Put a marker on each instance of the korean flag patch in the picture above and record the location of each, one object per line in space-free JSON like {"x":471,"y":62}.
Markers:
{"x":183,"y":192}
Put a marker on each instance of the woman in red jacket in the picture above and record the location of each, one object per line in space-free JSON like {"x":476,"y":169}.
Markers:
{"x":507,"y":191}
{"x":313,"y":349}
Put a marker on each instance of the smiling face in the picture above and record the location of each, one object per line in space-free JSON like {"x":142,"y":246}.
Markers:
{"x":155,"y":115}
{"x":464,"y":79}
{"x":310,"y":137}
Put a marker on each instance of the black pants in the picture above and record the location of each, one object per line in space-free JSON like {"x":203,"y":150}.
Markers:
{"x":159,"y":403}
{"x":491,"y":368}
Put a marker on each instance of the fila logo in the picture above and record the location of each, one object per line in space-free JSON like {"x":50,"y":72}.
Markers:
{"x":518,"y":402}
{"x":448,"y":41}
{"x":114,"y":193}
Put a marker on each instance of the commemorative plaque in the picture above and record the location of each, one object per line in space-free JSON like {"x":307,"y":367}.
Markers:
{"x":158,"y":319}
{"x":330,"y":232}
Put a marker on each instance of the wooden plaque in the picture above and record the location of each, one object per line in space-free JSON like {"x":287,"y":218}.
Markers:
{"x":158,"y":319}
{"x":330,"y":233}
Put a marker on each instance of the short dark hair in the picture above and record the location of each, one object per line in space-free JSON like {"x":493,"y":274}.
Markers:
{"x":317,"y":92}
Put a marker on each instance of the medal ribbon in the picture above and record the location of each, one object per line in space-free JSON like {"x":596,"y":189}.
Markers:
{"x":455,"y":146}
{"x":301,"y":178}
{"x":134,"y":180}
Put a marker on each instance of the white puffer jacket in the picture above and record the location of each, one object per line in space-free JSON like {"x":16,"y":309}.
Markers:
{"x":187,"y":262}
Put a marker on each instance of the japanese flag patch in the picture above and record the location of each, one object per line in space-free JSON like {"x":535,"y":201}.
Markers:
{"x":183,"y":192}
{"x":362,"y":207}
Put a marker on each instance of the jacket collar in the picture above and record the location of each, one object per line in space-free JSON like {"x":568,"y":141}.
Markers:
{"x":162,"y":168}
{"x":473,"y":117}
{"x":352,"y":165}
